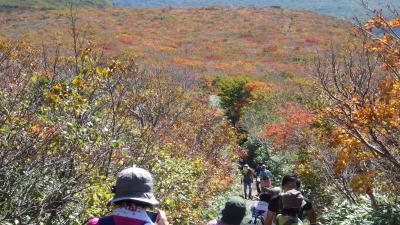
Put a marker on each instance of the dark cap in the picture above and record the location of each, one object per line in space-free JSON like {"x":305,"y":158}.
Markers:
{"x":291,"y":177}
{"x":234,"y":211}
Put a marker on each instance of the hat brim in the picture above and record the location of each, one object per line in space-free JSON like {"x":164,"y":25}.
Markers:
{"x":141,"y":197}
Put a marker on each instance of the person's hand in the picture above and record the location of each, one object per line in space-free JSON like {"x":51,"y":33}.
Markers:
{"x":161,"y":218}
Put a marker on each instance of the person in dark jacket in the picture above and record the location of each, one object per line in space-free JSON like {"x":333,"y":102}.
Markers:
{"x":248,"y":175}
{"x":275,"y":207}
{"x":258,"y":171}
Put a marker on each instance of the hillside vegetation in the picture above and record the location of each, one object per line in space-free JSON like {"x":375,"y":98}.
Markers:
{"x":201,"y":42}
{"x":346,"y":9}
{"x":340,"y":8}
{"x":187,"y":92}
{"x":136,"y":91}
{"x":7,"y":5}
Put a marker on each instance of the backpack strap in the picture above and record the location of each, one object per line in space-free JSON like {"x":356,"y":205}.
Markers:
{"x":107,"y":220}
{"x":280,"y":204}
{"x":290,"y":221}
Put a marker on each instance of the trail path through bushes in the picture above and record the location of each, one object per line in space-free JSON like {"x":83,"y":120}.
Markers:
{"x":249,"y":202}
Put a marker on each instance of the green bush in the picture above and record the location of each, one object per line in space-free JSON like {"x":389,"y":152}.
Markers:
{"x":344,"y":213}
{"x":232,"y":95}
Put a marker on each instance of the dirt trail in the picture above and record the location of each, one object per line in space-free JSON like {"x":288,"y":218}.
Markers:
{"x":249,"y":203}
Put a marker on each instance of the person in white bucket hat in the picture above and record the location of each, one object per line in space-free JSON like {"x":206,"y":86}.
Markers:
{"x":132,"y":196}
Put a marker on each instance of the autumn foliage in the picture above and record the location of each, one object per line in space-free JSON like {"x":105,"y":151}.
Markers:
{"x":197,"y":41}
{"x":362,"y":84}
{"x":69,"y":123}
{"x":175,"y":90}
{"x":285,"y":134}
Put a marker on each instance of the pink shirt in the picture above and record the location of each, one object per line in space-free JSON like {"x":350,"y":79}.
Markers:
{"x":118,"y":220}
{"x":122,"y":216}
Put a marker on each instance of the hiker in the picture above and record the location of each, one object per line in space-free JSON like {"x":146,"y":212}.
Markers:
{"x":258,"y":170}
{"x":274,"y":191}
{"x":260,"y":208}
{"x":289,"y":182}
{"x":132,"y":197}
{"x":265,"y":177}
{"x":292,"y":201}
{"x":248,"y":175}
{"x":233,"y":212}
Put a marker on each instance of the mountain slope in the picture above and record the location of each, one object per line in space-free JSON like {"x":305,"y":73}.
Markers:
{"x":340,"y":8}
{"x":266,"y":43}
{"x":8,"y":5}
